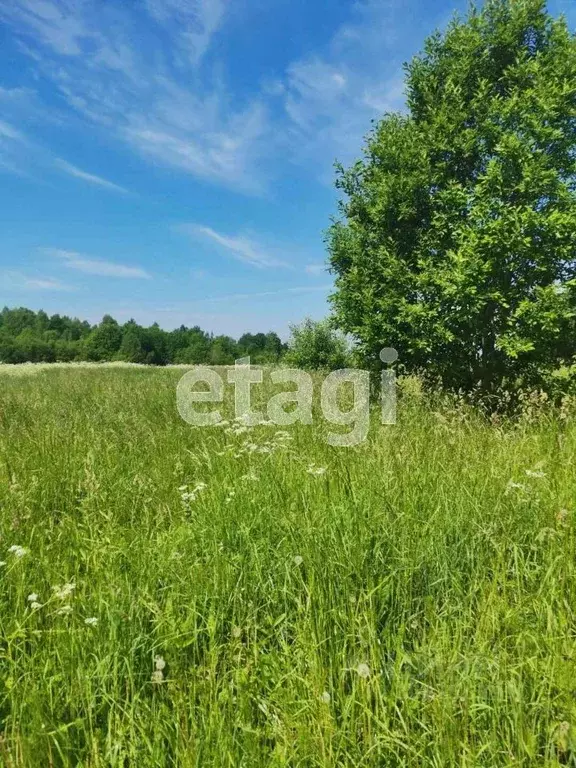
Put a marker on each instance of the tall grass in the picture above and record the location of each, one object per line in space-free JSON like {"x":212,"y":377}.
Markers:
{"x":414,"y":605}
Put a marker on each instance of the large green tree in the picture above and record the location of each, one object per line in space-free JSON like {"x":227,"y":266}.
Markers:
{"x":457,"y":235}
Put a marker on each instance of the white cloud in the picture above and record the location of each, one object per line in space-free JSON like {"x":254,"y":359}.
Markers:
{"x":197,"y":22}
{"x":18,"y":281}
{"x":263,"y":294}
{"x":90,"y":266}
{"x":331,"y":97}
{"x":91,"y":178}
{"x":315,"y":269}
{"x":151,"y":93}
{"x":240,"y":246}
{"x":140,"y":73}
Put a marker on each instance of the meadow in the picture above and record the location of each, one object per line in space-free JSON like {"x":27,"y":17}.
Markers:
{"x":233,"y":596}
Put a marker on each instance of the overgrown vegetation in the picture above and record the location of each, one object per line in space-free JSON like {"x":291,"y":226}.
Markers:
{"x":173,"y":596}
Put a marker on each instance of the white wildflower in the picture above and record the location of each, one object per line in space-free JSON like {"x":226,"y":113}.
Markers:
{"x":536,"y":473}
{"x":298,"y":560}
{"x":64,"y":610}
{"x":35,"y":606}
{"x":92,"y":621}
{"x":363,"y":671}
{"x":317,"y":471}
{"x":32,"y":597}
{"x":159,"y":663}
{"x":188,"y":496}
{"x":18,"y":551}
{"x":65,"y":591}
{"x":325,"y":698}
{"x":157,"y":676}
{"x":236,"y":632}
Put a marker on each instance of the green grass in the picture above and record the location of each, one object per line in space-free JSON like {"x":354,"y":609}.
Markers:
{"x":409,"y":607}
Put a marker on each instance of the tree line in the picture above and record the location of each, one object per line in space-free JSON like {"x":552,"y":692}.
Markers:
{"x":28,"y":336}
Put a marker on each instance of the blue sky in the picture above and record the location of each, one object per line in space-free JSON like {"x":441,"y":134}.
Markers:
{"x":172,"y":160}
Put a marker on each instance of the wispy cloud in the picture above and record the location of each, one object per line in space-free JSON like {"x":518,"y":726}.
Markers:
{"x":91,"y":178}
{"x":151,"y":95}
{"x":91,"y":266}
{"x":19,"y":281}
{"x":330,"y":97}
{"x":315,"y":269}
{"x":263,"y":294}
{"x":159,"y":98}
{"x":240,"y":247}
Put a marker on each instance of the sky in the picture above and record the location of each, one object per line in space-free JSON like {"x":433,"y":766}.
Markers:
{"x":172,"y":161}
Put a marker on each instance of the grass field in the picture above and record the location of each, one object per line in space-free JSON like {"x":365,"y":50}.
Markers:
{"x":171,"y":596}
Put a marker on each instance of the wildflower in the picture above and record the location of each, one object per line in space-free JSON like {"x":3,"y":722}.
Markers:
{"x":64,"y":592}
{"x":91,"y":622}
{"x":298,"y":560}
{"x":317,"y":471}
{"x":236,"y":632}
{"x":536,"y":473}
{"x":189,"y":496}
{"x":363,"y":671}
{"x":325,"y":698}
{"x":250,"y":476}
{"x":64,"y":610}
{"x":562,"y":516}
{"x":157,"y":676}
{"x":159,"y":663}
{"x":230,"y":497}
{"x":35,"y":606}
{"x":512,"y":486}
{"x":32,"y":597}
{"x":18,"y":551}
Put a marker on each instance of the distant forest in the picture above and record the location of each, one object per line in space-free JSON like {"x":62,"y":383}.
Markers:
{"x":27,"y":336}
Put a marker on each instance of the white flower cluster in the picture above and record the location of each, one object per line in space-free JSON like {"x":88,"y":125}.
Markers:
{"x":18,"y":551}
{"x":316,"y":471}
{"x":188,"y":495}
{"x":159,"y":666}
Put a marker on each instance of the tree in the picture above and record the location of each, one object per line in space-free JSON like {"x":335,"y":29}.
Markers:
{"x":456,"y":238}
{"x":315,"y":344}
{"x":104,"y":341}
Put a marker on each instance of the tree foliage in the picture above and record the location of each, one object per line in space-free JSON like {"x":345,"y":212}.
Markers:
{"x":27,"y":336}
{"x":315,"y":344}
{"x":456,"y":239}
